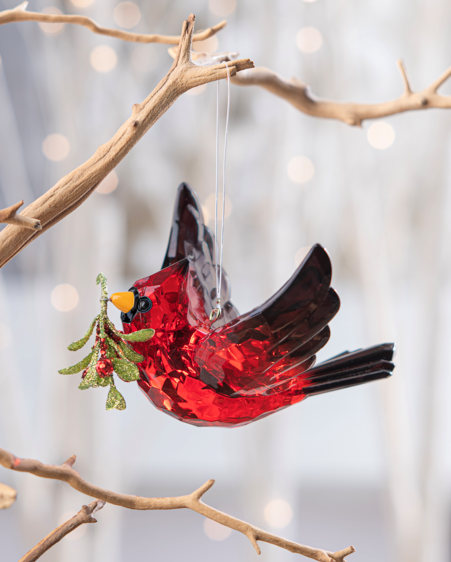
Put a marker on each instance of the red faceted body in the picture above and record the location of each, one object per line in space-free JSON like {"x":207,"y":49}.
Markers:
{"x":237,"y":369}
{"x":171,"y":372}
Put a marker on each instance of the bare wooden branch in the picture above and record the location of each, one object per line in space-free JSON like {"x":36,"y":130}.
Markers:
{"x":77,"y":186}
{"x":85,"y":515}
{"x":7,"y":496}
{"x":300,"y":95}
{"x":193,"y":501}
{"x":19,"y":14}
{"x":9,"y":216}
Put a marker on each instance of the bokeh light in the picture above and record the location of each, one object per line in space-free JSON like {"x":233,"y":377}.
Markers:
{"x":197,"y":90}
{"x":300,"y":169}
{"x":310,"y":1}
{"x":300,"y":255}
{"x":127,"y":15}
{"x":56,"y":147}
{"x":64,"y":297}
{"x":210,"y":45}
{"x":206,"y":214}
{"x":51,"y":28}
{"x":82,"y":3}
{"x":109,"y":184}
{"x":208,"y":208}
{"x":381,"y":135}
{"x":222,"y":7}
{"x":278,"y":513}
{"x":144,"y":58}
{"x":5,"y":336}
{"x":309,"y":39}
{"x":215,"y":531}
{"x":103,"y":58}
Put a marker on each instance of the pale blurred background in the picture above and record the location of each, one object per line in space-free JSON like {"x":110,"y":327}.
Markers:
{"x":368,"y":466}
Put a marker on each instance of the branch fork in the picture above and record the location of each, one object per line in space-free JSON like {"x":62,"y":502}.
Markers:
{"x":84,"y":516}
{"x":193,"y":501}
{"x":74,"y":188}
{"x":300,"y":96}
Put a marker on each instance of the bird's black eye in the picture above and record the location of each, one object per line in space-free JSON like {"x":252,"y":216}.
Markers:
{"x":144,"y":305}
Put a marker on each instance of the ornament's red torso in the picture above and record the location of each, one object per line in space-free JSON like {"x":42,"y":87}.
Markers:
{"x":240,"y":368}
{"x":172,"y":369}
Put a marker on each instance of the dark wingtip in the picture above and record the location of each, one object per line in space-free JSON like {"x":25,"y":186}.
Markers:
{"x":351,"y":369}
{"x":317,"y":253}
{"x":391,"y":346}
{"x":184,"y":186}
{"x":321,"y":388}
{"x":387,"y":349}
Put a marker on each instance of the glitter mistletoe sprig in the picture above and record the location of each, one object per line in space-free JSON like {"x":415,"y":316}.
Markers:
{"x":110,"y":353}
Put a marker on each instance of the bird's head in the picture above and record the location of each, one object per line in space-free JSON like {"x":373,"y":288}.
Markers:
{"x":130,"y":303}
{"x":157,"y":301}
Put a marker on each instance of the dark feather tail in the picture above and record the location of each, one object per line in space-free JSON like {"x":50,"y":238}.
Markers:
{"x":350,"y":369}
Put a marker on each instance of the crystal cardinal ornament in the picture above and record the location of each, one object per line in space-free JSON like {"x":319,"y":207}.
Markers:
{"x":237,"y":369}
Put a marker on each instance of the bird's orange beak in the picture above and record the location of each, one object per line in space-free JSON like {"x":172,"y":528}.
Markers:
{"x":123,"y":301}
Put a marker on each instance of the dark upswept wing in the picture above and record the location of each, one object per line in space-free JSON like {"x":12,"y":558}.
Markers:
{"x":190,"y":238}
{"x":277,"y":340}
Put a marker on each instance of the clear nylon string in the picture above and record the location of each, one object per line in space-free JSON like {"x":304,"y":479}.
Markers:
{"x":218,"y":295}
{"x":219,"y":247}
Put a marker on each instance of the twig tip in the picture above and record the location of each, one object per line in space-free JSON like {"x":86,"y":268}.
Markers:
{"x":254,"y":542}
{"x":340,"y":555}
{"x":197,"y":494}
{"x":70,"y":461}
{"x":99,"y":506}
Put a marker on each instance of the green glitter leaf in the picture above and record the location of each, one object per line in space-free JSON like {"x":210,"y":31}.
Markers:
{"x":111,"y":353}
{"x":105,"y":381}
{"x":90,"y":379}
{"x":116,"y":351}
{"x":125,"y":370}
{"x":140,"y":335}
{"x":80,"y":343}
{"x":78,"y":367}
{"x":130,"y":354}
{"x":115,"y":399}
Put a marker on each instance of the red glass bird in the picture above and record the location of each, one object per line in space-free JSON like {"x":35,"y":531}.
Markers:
{"x":237,"y":369}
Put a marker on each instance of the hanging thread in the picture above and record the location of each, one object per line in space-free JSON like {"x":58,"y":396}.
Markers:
{"x":219,"y":248}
